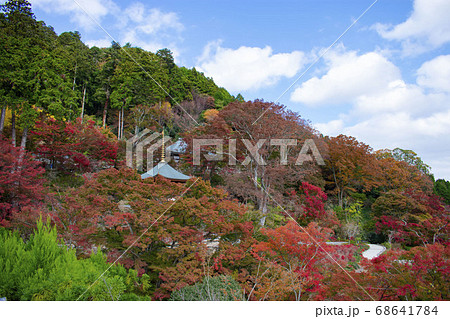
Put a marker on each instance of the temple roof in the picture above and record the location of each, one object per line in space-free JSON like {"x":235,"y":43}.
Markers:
{"x":165,"y":170}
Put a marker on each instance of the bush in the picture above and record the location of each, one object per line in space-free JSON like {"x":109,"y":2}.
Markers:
{"x":220,"y":288}
{"x":43,"y":268}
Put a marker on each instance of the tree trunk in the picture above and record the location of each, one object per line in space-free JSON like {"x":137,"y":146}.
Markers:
{"x":262,"y":205}
{"x":119,"y":125}
{"x":105,"y":109}
{"x":13,"y":128}
{"x":212,"y":170}
{"x":2,"y":120}
{"x":23,"y":142}
{"x":74,"y":77}
{"x":82,"y":104}
{"x":121,"y":128}
{"x":340,"y":192}
{"x":341,"y":198}
{"x":262,"y":198}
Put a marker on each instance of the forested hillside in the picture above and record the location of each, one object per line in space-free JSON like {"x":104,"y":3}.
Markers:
{"x":245,"y":226}
{"x":60,"y":77}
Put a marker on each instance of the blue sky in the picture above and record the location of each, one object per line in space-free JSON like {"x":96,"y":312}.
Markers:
{"x":386,"y":81}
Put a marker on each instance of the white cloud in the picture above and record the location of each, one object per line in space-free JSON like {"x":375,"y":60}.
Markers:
{"x":427,"y":136}
{"x":157,"y":21}
{"x":400,"y":129}
{"x":148,"y":28}
{"x":331,"y":128}
{"x":441,"y":163}
{"x":400,"y":97}
{"x":151,"y":44}
{"x":428,"y":27}
{"x":136,"y":12}
{"x":80,"y":11}
{"x":151,"y":29}
{"x":100,"y":43}
{"x":397,"y":114}
{"x":435,"y":74}
{"x":348,"y":76}
{"x":248,"y":68}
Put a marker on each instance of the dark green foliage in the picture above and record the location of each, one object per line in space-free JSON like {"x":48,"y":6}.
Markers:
{"x":44,"y":268}
{"x":220,"y":288}
{"x":58,"y":75}
{"x":201,"y":84}
{"x":25,"y":45}
{"x":442,"y":188}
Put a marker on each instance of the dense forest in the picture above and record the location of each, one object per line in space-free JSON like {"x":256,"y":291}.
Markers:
{"x":77,"y":224}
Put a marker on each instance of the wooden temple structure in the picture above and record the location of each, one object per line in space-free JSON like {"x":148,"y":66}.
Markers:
{"x":165,"y":170}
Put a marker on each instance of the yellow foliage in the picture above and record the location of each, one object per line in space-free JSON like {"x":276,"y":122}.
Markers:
{"x":210,"y":114}
{"x":38,"y":109}
{"x":8,"y":116}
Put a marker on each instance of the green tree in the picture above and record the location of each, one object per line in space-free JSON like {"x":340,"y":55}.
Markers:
{"x":43,"y":268}
{"x":411,"y":158}
{"x":35,"y":77}
{"x":139,"y":79}
{"x":19,"y":38}
{"x":108,"y":59}
{"x":442,"y":188}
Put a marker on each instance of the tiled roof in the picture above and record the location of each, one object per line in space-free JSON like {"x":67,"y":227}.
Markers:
{"x":165,"y":170}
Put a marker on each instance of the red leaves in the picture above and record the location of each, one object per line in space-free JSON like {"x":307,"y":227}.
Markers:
{"x":313,"y":199}
{"x":69,"y":146}
{"x":21,"y":181}
{"x":419,"y":274}
{"x":114,"y":207}
{"x":310,"y":206}
{"x":412,"y":217}
{"x":292,"y":252}
{"x":407,"y":290}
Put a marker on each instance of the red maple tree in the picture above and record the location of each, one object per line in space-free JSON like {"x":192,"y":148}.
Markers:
{"x":21,"y":181}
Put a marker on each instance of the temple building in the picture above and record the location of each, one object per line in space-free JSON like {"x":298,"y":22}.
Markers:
{"x":165,"y":170}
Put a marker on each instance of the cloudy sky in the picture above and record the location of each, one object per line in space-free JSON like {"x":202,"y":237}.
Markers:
{"x":385,"y":79}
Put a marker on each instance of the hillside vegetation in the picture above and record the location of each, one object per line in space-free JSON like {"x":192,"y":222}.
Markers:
{"x":252,"y":223}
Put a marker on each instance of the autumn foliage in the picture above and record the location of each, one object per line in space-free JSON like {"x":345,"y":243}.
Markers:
{"x":292,"y":257}
{"x":418,"y":274}
{"x":115,"y":209}
{"x":256,"y":221}
{"x":74,"y":146}
{"x":412,"y":217}
{"x":21,"y":181}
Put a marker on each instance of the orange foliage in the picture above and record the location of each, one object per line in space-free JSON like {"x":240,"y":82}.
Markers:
{"x":210,"y":114}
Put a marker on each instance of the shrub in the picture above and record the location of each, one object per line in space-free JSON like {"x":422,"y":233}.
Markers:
{"x":43,"y":268}
{"x":219,"y":288}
